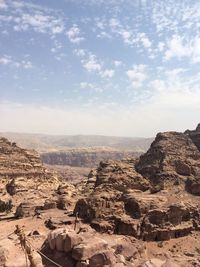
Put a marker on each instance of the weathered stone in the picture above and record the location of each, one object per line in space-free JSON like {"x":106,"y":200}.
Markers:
{"x":88,"y":248}
{"x":138,"y":204}
{"x":55,"y":241}
{"x":82,"y":264}
{"x":72,"y":239}
{"x":24,"y":177}
{"x":60,"y":241}
{"x":25,"y":209}
{"x":172,"y":222}
{"x":49,"y":204}
{"x":195,"y":136}
{"x":170,"y":263}
{"x":183,"y":168}
{"x":103,"y":258}
{"x":153,"y":263}
{"x":193,"y":185}
{"x":126,"y":226}
{"x":121,"y":175}
{"x":171,"y":156}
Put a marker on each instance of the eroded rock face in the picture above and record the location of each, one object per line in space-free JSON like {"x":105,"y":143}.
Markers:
{"x":121,"y":175}
{"x":171,"y":222}
{"x":23,"y":178}
{"x":85,"y":157}
{"x":18,"y":162}
{"x":172,"y":157}
{"x":195,"y":136}
{"x":140,"y":198}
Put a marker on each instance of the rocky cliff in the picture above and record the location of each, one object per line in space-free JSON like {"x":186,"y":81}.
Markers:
{"x":89,"y":157}
{"x":23,"y":178}
{"x":172,"y":157}
{"x":195,"y":136}
{"x":153,"y":198}
{"x":17,"y":162}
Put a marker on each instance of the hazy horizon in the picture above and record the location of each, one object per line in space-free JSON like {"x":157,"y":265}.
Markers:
{"x":114,"y":68}
{"x":63,"y":135}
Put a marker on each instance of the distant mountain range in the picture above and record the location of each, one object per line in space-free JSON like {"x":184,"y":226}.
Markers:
{"x":50,"y":143}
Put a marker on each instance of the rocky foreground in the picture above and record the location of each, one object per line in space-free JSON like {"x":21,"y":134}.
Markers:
{"x":134,"y":212}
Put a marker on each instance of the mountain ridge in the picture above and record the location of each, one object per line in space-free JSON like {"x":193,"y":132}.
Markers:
{"x":45,"y":143}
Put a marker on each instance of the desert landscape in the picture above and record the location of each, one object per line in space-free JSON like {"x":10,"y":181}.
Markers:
{"x":74,"y":156}
{"x":99,"y":133}
{"x":137,"y":211}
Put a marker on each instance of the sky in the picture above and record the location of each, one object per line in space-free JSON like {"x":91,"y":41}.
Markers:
{"x":108,"y":67}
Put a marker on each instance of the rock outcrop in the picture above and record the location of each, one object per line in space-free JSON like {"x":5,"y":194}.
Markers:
{"x":195,"y":136}
{"x":89,"y":249}
{"x":19,"y":162}
{"x":121,"y":175}
{"x":23,"y":178}
{"x":151,"y":198}
{"x":172,"y":157}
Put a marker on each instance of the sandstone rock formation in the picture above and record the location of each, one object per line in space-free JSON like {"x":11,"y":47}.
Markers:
{"x":23,"y":178}
{"x":18,"y":162}
{"x":90,"y":250}
{"x":195,"y":136}
{"x":172,"y":157}
{"x":126,"y":203}
{"x":150,"y":198}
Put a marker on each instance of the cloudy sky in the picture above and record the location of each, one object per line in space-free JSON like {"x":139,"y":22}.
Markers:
{"x":112,"y":67}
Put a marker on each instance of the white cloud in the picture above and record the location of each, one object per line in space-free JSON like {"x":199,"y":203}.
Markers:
{"x":146,"y":42}
{"x":5,"y":60}
{"x":141,"y":38}
{"x":196,"y":50}
{"x":57,"y":29}
{"x":117,"y":63}
{"x":137,"y":75}
{"x":8,"y":60}
{"x":74,"y":34}
{"x":103,"y":35}
{"x":100,"y":25}
{"x":79,"y":52}
{"x":3,"y":5}
{"x":114,"y":23}
{"x":86,"y":85}
{"x":126,"y":36}
{"x":130,"y":36}
{"x":161,"y":46}
{"x":91,"y":65}
{"x":32,"y":17}
{"x":27,"y":64}
{"x":107,"y":73}
{"x":178,"y":47}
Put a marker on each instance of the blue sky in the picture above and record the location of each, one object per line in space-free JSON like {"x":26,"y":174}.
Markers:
{"x":115,"y":67}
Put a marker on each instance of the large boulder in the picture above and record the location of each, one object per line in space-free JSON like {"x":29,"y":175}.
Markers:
{"x":89,"y":248}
